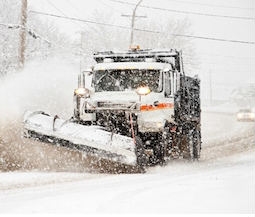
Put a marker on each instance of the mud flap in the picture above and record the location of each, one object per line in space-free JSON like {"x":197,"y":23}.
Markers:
{"x":93,"y":140}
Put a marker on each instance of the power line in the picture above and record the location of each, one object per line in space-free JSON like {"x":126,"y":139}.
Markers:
{"x":185,"y":12}
{"x":77,"y":12}
{"x":31,"y":32}
{"x":143,"y":30}
{"x":60,"y":11}
{"x":215,"y":39}
{"x":56,"y":8}
{"x":78,"y":19}
{"x":211,"y":5}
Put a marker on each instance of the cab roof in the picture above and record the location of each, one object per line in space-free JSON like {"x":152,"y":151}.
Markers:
{"x":138,"y":55}
{"x":131,"y":65}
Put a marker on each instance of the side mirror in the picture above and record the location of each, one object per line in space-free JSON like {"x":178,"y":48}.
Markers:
{"x":85,"y":78}
{"x":88,"y":72}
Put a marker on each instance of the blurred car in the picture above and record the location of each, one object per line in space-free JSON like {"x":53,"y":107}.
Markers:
{"x":245,"y":115}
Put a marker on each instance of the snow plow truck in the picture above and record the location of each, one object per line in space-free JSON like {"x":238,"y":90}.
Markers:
{"x":135,"y":108}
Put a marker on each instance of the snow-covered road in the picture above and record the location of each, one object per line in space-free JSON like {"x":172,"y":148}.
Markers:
{"x":223,"y":186}
{"x":222,"y":181}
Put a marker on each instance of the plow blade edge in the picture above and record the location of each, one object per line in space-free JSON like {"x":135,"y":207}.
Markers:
{"x":93,"y":140}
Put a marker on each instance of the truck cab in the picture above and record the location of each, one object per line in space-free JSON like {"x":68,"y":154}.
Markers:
{"x":140,"y":82}
{"x":134,"y":93}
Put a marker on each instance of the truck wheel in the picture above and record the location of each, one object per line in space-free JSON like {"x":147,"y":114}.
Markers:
{"x":159,"y":154}
{"x":197,"y":144}
{"x":140,"y":153}
{"x":186,"y":144}
{"x":191,"y":144}
{"x":166,"y":143}
{"x":171,"y":142}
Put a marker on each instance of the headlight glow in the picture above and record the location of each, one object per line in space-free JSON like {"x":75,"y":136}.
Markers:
{"x":82,"y":91}
{"x":239,"y":115}
{"x":252,"y":115}
{"x":143,"y":90}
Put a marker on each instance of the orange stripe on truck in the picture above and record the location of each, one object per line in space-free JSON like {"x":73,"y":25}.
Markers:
{"x":156,"y":107}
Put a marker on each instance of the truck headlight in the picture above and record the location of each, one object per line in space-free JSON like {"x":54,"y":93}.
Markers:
{"x":143,"y":90}
{"x":252,"y":115}
{"x":239,"y":116}
{"x":82,"y":92}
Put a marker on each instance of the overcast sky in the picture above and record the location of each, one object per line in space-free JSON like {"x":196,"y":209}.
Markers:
{"x":231,"y":64}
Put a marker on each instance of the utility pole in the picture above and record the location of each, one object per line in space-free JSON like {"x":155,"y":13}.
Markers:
{"x":133,"y":21}
{"x":22,"y":46}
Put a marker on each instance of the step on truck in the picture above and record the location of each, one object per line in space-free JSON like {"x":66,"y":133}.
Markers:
{"x":135,"y":108}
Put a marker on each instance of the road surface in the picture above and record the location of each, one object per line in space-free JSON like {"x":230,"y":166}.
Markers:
{"x":52,"y":180}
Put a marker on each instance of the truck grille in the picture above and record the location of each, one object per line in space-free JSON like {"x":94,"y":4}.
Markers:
{"x":109,"y":105}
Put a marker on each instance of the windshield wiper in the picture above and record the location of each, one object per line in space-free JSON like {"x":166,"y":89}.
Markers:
{"x":101,"y":77}
{"x":106,"y":73}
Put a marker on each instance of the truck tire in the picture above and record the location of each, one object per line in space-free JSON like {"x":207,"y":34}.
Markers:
{"x":187,"y":145}
{"x":140,"y":153}
{"x":166,"y":143}
{"x":191,"y":144}
{"x":197,"y":144}
{"x":171,"y":142}
{"x":159,"y":153}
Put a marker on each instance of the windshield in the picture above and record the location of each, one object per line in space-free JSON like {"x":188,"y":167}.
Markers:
{"x":121,"y":80}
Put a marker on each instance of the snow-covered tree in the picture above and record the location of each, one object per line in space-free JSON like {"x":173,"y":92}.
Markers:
{"x":43,"y":38}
